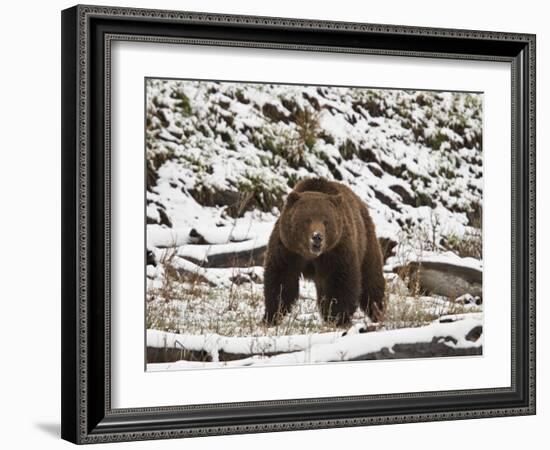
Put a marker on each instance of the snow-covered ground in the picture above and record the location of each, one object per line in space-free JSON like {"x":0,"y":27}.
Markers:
{"x":221,"y":158}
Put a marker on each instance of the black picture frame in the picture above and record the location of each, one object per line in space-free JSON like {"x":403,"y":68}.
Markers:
{"x":87,"y":32}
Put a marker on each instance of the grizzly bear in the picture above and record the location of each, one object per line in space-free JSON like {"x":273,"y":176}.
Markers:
{"x":326,"y":234}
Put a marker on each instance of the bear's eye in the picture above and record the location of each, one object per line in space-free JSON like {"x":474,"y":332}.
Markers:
{"x":325,"y":223}
{"x":308,"y":221}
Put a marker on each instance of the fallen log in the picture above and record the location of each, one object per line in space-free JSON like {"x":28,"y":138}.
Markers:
{"x":240,"y":258}
{"x":437,"y":347}
{"x":217,"y":276}
{"x":171,"y":354}
{"x":442,"y":278}
{"x":453,"y":336}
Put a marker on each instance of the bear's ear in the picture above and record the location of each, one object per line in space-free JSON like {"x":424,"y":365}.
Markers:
{"x":336,"y":199}
{"x":292,"y":198}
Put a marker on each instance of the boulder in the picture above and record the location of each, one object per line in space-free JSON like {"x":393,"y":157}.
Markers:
{"x":443,"y":278}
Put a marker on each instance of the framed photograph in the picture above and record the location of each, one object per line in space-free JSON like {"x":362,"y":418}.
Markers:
{"x":280,"y":224}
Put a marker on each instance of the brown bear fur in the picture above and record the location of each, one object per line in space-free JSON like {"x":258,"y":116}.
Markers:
{"x":324,"y":232}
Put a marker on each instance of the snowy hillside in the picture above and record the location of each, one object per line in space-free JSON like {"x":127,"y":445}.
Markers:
{"x":221,"y":157}
{"x":238,"y":147}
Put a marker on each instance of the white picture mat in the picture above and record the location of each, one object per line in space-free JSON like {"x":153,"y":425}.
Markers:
{"x":133,"y":387}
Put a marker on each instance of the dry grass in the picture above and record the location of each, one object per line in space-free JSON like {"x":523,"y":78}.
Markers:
{"x":234,"y":311}
{"x":180,"y":302}
{"x":185,"y":304}
{"x":297,"y":142}
{"x":411,"y":309}
{"x":469,"y":245}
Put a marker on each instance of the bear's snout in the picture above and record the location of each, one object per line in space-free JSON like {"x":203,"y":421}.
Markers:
{"x":316,"y":242}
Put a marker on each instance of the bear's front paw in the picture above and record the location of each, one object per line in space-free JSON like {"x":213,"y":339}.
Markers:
{"x":360,"y":328}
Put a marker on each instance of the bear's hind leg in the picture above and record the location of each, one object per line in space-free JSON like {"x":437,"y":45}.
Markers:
{"x":372,"y":300}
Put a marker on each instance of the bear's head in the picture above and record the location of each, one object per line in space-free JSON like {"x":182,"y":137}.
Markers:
{"x":311,"y":223}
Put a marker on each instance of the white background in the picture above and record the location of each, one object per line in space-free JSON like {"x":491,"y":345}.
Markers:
{"x":132,"y":387}
{"x":30,"y":225}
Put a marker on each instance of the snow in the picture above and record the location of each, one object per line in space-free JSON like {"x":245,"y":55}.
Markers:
{"x":239,"y":345}
{"x":241,"y":230}
{"x":408,"y":255}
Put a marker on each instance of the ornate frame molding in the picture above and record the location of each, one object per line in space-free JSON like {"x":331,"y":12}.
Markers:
{"x":80,"y":423}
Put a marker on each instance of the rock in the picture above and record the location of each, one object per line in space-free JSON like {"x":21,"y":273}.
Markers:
{"x":362,"y":328}
{"x":405,"y":195}
{"x":242,"y":278}
{"x":474,"y":334}
{"x":468,"y":299}
{"x":386,"y":200}
{"x":151,"y":260}
{"x":387,"y":245}
{"x":164,"y":220}
{"x":215,"y":197}
{"x":375,"y":169}
{"x":272,"y":112}
{"x":157,"y":215}
{"x":312,"y":101}
{"x":447,"y":279}
{"x":196,"y":238}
